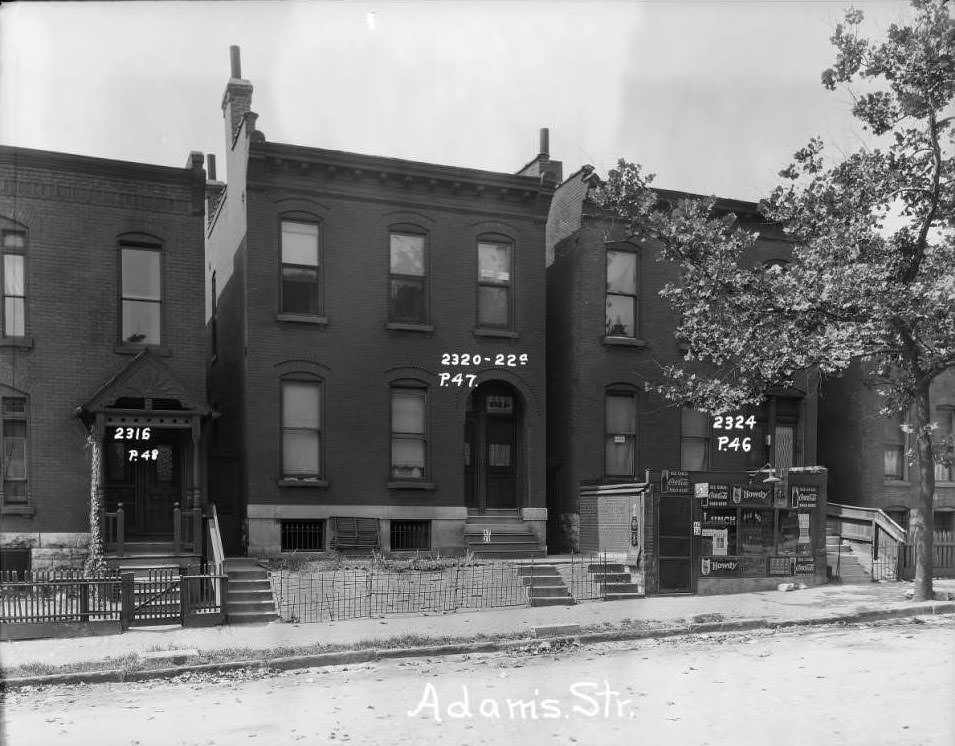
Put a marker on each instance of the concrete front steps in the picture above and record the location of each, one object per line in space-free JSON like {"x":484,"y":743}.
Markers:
{"x":843,"y":562}
{"x":509,"y":537}
{"x":249,"y":596}
{"x":545,"y":586}
{"x":615,"y":582}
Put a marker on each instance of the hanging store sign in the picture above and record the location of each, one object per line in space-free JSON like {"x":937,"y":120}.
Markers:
{"x":675,"y":482}
{"x":715,"y":495}
{"x":804,"y":496}
{"x":752,"y":495}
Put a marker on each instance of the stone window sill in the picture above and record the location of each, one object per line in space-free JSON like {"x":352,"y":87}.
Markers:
{"x":24,"y":342}
{"x":132,"y":349}
{"x":397,"y":485}
{"x":24,"y":511}
{"x":399,"y":326}
{"x":499,"y":333}
{"x":625,"y":342}
{"x":303,"y":483}
{"x":299,"y":319}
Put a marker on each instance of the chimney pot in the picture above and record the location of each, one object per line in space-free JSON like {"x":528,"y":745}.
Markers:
{"x":545,"y":143}
{"x":236,"y":61}
{"x":211,"y":166}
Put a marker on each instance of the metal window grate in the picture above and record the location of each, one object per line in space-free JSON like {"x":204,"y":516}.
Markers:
{"x":303,"y":536}
{"x":408,"y":535}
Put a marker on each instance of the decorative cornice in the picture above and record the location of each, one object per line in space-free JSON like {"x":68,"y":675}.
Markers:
{"x":20,"y":188}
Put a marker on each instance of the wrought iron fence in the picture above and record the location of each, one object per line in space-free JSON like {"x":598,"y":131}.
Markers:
{"x":351,"y":593}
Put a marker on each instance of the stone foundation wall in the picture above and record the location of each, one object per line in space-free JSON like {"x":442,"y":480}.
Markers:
{"x":49,"y":551}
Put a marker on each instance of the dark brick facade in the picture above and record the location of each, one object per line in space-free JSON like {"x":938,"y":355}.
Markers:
{"x":349,"y":346}
{"x":584,"y":365}
{"x":852,"y":442}
{"x":75,"y":212}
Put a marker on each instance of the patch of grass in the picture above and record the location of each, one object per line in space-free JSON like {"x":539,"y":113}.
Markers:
{"x":132,"y":661}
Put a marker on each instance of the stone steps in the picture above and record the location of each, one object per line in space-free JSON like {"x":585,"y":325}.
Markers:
{"x":544,"y":585}
{"x":249,"y":596}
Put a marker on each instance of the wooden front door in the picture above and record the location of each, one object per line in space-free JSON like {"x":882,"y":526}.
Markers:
{"x":145,"y":474}
{"x":492,"y":452}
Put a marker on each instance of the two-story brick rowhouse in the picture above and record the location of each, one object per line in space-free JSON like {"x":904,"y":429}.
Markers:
{"x":608,"y":335}
{"x":868,"y":454}
{"x":378,"y":347}
{"x":102,"y":328}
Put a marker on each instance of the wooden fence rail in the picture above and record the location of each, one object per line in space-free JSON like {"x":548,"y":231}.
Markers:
{"x":943,"y":565}
{"x":160,"y":597}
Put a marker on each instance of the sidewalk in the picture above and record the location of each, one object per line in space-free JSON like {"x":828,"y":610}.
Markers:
{"x":771,"y":607}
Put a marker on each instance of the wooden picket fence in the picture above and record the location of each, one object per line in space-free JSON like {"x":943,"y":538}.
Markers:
{"x":161,"y":596}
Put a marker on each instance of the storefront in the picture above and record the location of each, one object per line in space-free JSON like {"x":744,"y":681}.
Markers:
{"x":728,"y":532}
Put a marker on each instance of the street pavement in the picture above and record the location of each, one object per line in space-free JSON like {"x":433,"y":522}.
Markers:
{"x":772,"y":607}
{"x":872,"y":684}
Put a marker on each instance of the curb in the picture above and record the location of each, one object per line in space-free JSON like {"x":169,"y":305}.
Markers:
{"x":347,"y":657}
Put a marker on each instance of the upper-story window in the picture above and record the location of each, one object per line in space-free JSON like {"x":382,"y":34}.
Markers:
{"x":13,"y":459}
{"x":621,"y":319}
{"x":14,"y":283}
{"x":694,"y":440}
{"x":494,"y":284}
{"x":408,"y":291}
{"x":301,"y":268}
{"x":141,"y":294}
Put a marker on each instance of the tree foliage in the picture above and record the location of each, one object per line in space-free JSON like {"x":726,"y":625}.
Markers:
{"x":872,"y":272}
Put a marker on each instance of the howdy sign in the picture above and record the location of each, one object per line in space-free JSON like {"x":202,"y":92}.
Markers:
{"x":749,"y":495}
{"x":719,"y":566}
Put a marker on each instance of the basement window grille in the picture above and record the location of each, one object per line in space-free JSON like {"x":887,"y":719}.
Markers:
{"x":303,"y":536}
{"x":14,"y":563}
{"x":410,"y":535}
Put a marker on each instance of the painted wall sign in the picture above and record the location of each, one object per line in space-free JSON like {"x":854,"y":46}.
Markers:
{"x":805,"y":567}
{"x":677,"y":482}
{"x":719,"y":567}
{"x":804,"y":496}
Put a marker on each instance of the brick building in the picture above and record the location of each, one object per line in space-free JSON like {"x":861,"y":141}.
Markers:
{"x":867,"y":454}
{"x":608,"y":334}
{"x":377,"y":328}
{"x":102,"y":329}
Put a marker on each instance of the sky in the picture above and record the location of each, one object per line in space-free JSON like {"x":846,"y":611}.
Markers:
{"x":713,"y":96}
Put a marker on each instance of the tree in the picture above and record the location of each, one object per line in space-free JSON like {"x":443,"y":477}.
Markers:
{"x":872,"y":276}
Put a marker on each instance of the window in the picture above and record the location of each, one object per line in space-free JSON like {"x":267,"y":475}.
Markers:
{"x":141,"y":295}
{"x":300,"y":268}
{"x":621,"y":435}
{"x":694,"y":440}
{"x":14,"y":284}
{"x":301,"y":429}
{"x":410,"y":535}
{"x":303,"y":536}
{"x":944,"y":444}
{"x":894,"y":464}
{"x":621,"y":294}
{"x":494,"y":285}
{"x":15,"y":450}
{"x":409,"y":437}
{"x":408,"y":288}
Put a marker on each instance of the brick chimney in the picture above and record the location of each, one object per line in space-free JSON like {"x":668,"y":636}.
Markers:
{"x":237,"y":100}
{"x":542,"y":165}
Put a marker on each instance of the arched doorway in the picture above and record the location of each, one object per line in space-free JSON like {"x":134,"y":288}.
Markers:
{"x":493,"y":430}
